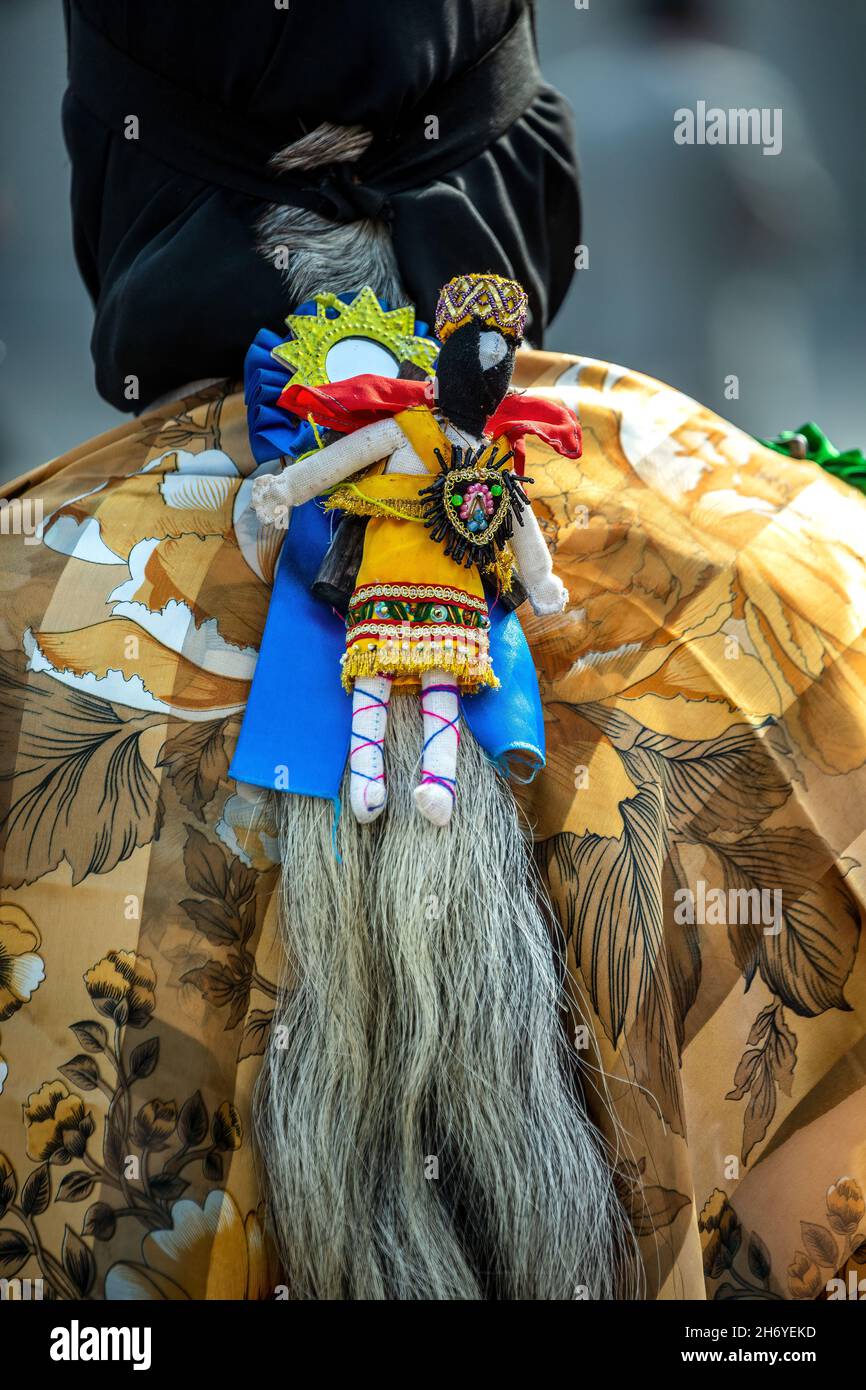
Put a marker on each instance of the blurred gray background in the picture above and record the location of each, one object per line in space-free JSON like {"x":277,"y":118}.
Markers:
{"x":704,"y":262}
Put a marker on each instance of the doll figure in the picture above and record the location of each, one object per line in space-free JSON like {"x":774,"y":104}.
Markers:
{"x":440,"y":483}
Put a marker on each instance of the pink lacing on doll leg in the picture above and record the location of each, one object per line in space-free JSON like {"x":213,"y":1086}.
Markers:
{"x":427,"y":776}
{"x":437,"y":790}
{"x":368,"y":791}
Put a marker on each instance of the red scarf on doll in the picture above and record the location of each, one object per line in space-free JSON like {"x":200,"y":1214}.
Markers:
{"x":361,"y":400}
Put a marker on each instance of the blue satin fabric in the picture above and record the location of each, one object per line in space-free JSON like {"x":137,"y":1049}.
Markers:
{"x":273,"y":431}
{"x":297,"y":727}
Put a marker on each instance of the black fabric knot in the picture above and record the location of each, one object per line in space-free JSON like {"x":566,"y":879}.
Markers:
{"x":348,"y":198}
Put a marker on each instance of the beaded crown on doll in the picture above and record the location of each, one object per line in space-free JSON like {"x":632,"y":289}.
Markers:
{"x":495,"y":301}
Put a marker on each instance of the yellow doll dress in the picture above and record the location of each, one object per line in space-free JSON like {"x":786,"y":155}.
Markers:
{"x":414,"y":608}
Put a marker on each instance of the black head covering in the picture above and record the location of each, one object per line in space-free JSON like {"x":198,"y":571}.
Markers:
{"x":164,"y":205}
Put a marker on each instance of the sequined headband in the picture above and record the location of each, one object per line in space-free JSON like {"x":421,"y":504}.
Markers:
{"x":495,"y":301}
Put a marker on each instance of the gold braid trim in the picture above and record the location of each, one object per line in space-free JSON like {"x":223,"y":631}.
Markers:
{"x":349,"y":498}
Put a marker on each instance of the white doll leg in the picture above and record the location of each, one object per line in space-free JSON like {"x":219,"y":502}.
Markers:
{"x":367,"y":790}
{"x":435,"y":794}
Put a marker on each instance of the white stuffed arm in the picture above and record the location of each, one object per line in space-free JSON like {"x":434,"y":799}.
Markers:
{"x":273,"y":495}
{"x":545,"y":590}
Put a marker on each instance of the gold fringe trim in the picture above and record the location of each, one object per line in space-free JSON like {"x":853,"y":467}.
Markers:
{"x":349,"y":498}
{"x":380,"y":660}
{"x":502,"y":571}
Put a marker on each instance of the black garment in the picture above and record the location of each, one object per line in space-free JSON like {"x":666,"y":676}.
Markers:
{"x":164,"y":223}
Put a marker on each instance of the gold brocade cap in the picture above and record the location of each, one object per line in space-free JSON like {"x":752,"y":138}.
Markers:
{"x":497,"y":302}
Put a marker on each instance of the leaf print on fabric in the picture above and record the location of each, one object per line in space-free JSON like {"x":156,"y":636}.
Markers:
{"x":683,"y":949}
{"x":226,"y":985}
{"x":767,"y":1063}
{"x":74,"y":751}
{"x":608,"y":894}
{"x":655,"y":1041}
{"x":760,"y":1263}
{"x":197,"y":761}
{"x":807,"y":961}
{"x":211,"y":872}
{"x":650,"y":1208}
{"x":76,"y":1187}
{"x":36,"y":1192}
{"x":256,"y":1032}
{"x":227,"y":915}
{"x":78,"y":1262}
{"x":703,"y":781}
{"x":610,"y":891}
{"x":819,"y":1244}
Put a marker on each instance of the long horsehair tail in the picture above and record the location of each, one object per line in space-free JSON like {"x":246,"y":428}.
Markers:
{"x":417,"y":1115}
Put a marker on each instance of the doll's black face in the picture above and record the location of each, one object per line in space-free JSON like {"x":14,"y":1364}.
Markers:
{"x":473,"y":374}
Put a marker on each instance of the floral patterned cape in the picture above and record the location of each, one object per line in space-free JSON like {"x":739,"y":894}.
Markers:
{"x":705,"y":699}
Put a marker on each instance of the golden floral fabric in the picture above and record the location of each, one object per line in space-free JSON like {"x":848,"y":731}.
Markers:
{"x":700,"y":824}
